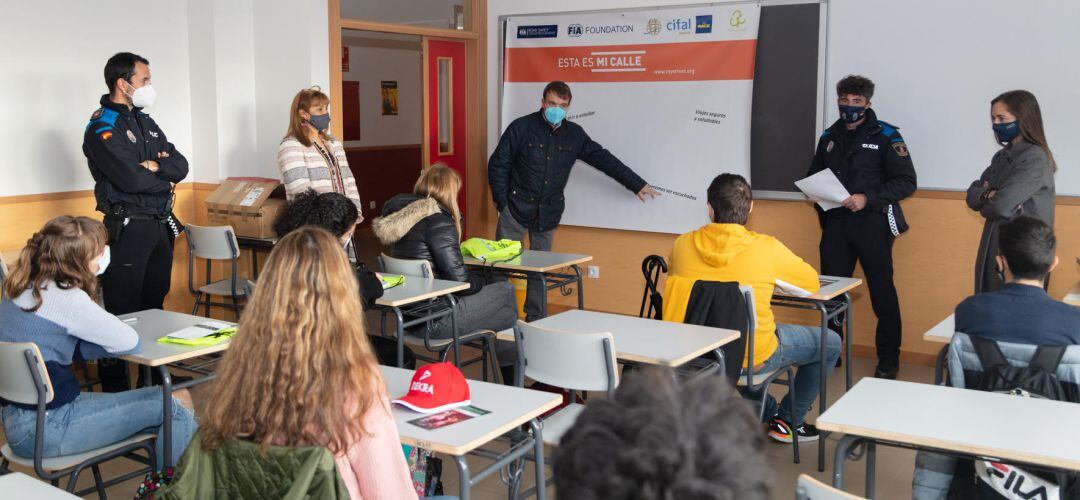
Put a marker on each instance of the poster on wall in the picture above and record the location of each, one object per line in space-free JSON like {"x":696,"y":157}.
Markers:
{"x":667,"y":91}
{"x":389,"y":98}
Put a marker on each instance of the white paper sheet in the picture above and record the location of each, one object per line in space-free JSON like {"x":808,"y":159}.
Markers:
{"x":199,"y":331}
{"x":791,"y":290}
{"x":825,"y":187}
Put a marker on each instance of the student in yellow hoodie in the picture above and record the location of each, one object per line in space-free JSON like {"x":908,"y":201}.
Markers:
{"x":725,"y":250}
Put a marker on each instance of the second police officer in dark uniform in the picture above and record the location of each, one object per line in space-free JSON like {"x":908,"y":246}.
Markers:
{"x":135,"y":169}
{"x":871,"y":160}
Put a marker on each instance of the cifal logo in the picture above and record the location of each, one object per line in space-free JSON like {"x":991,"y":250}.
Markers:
{"x":538,"y":31}
{"x":703,"y":24}
{"x":574,"y":30}
{"x":653,"y":27}
{"x":737,"y":22}
{"x":680,"y":25}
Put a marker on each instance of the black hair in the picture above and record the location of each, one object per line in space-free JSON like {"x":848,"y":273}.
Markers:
{"x":330,"y":211}
{"x":558,"y":88}
{"x":857,"y":85}
{"x":1028,"y":246}
{"x":661,"y":439}
{"x":121,"y":65}
{"x":730,"y":198}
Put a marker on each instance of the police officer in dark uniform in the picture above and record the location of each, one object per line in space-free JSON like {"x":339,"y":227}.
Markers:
{"x":135,"y":169}
{"x":872,"y":161}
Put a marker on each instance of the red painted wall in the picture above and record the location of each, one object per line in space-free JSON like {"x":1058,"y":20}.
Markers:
{"x":382,"y":173}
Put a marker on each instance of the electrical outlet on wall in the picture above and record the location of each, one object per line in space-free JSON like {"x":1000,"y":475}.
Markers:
{"x":594,"y":272}
{"x":371,"y":205}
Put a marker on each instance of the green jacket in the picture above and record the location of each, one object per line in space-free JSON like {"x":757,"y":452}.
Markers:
{"x":238,"y":470}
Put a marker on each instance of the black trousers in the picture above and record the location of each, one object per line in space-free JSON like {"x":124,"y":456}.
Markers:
{"x":137,"y":279}
{"x":865,"y":237}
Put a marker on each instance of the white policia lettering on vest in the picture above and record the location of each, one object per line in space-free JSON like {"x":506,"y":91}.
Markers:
{"x":870,"y":146}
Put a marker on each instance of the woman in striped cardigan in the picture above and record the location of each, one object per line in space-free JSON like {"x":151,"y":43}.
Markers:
{"x":309,"y":157}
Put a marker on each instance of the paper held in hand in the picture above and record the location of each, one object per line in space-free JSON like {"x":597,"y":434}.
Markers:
{"x":824,"y":188}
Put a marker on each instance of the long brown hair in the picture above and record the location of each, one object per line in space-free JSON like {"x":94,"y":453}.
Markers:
{"x":60,"y":252}
{"x":441,"y":183}
{"x":304,"y":101}
{"x":300,"y":370}
{"x":1025,"y":107}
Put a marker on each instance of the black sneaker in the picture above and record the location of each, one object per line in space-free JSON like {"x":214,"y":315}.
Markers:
{"x":781,"y":431}
{"x":886,"y":371}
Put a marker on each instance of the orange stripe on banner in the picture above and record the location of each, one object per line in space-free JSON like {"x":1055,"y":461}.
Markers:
{"x":661,"y":62}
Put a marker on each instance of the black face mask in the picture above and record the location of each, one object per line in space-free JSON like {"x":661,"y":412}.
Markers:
{"x":852,"y":114}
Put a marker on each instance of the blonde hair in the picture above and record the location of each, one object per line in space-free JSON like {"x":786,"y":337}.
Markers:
{"x":304,"y":101}
{"x":300,"y":370}
{"x":60,"y":252}
{"x":443,"y":184}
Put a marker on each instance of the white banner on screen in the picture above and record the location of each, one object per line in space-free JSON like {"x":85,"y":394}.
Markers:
{"x":666,"y":91}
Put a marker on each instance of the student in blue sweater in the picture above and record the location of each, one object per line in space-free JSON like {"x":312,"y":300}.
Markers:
{"x":51,"y":303}
{"x":1021,"y":311}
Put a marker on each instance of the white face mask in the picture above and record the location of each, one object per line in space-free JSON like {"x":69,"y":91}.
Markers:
{"x":143,"y":97}
{"x":103,"y":261}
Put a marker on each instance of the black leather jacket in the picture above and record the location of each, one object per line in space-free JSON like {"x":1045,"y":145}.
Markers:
{"x":420,"y":228}
{"x":530,"y":166}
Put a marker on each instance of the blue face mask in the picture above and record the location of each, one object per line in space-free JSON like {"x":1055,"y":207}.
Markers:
{"x":1006,"y":132}
{"x":852,"y":114}
{"x":554,"y":115}
{"x":320,"y":122}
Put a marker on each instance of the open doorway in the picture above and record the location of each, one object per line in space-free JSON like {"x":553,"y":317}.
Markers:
{"x":382,"y":113}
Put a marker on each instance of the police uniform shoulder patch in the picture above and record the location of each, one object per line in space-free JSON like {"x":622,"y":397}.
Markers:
{"x":97,"y":114}
{"x":131,"y":136}
{"x":900,"y":148}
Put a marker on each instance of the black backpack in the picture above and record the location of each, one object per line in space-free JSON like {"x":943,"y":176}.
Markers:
{"x":981,"y":479}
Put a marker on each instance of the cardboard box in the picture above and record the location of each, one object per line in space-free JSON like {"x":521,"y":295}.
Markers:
{"x":249,"y":204}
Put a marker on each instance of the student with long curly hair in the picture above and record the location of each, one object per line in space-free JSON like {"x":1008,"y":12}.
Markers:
{"x":52,"y":289}
{"x":300,"y":371}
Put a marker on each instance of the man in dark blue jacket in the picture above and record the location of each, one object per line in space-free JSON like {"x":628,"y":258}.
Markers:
{"x":530,"y":167}
{"x":135,"y":168}
{"x":1021,"y":311}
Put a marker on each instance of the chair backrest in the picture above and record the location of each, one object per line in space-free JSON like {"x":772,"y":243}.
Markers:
{"x":652,"y":266}
{"x":407,"y":267}
{"x":808,"y":488}
{"x":212,"y":243}
{"x":576,"y":361}
{"x":19,"y":361}
{"x":962,"y":358}
{"x":3,"y":275}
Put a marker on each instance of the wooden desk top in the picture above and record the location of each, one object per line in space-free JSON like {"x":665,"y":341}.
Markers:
{"x":831,"y":287}
{"x":416,"y":288}
{"x":537,"y":261}
{"x":640,"y":340}
{"x":942,"y":333}
{"x":510,"y":407}
{"x":1005,"y":427}
{"x":154,"y":324}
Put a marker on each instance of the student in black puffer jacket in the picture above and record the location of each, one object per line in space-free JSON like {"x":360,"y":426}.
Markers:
{"x":426,"y":225}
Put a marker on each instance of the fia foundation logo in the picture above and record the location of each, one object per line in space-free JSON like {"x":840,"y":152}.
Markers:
{"x":574,"y":30}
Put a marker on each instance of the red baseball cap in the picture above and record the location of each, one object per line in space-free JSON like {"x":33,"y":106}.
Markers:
{"x":436,"y":387}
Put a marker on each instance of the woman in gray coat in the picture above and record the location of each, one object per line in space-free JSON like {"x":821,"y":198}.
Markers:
{"x":1019,"y":180}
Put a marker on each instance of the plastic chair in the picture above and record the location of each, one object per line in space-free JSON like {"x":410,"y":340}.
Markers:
{"x":573,"y":361}
{"x":24,"y":380}
{"x":808,"y":488}
{"x":4,"y":272}
{"x":210,"y":244}
{"x":651,"y":267}
{"x":481,"y":339}
{"x":746,"y":379}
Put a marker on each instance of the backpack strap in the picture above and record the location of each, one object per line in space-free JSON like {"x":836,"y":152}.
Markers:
{"x":988,"y":351}
{"x":1047,"y":358}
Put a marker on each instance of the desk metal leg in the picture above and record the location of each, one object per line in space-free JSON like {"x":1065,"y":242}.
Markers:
{"x":166,"y":416}
{"x":544,"y":298}
{"x":843,"y":448}
{"x":822,"y":387}
{"x":538,"y":449}
{"x":849,"y":331}
{"x":453,"y":332}
{"x":464,"y":479}
{"x":580,"y":287}
{"x":871,"y":468}
{"x":723,"y":364}
{"x":254,"y":264}
{"x":400,"y":327}
{"x":939,"y":365}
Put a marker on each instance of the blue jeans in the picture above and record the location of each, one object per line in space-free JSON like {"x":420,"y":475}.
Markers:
{"x":801,"y":345}
{"x":95,"y":419}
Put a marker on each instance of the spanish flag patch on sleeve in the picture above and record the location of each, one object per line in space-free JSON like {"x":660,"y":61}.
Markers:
{"x":106,"y":135}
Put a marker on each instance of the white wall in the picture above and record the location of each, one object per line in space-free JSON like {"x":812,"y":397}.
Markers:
{"x":374,"y":58}
{"x":427,"y":13}
{"x":225,"y":71}
{"x":53,"y":57}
